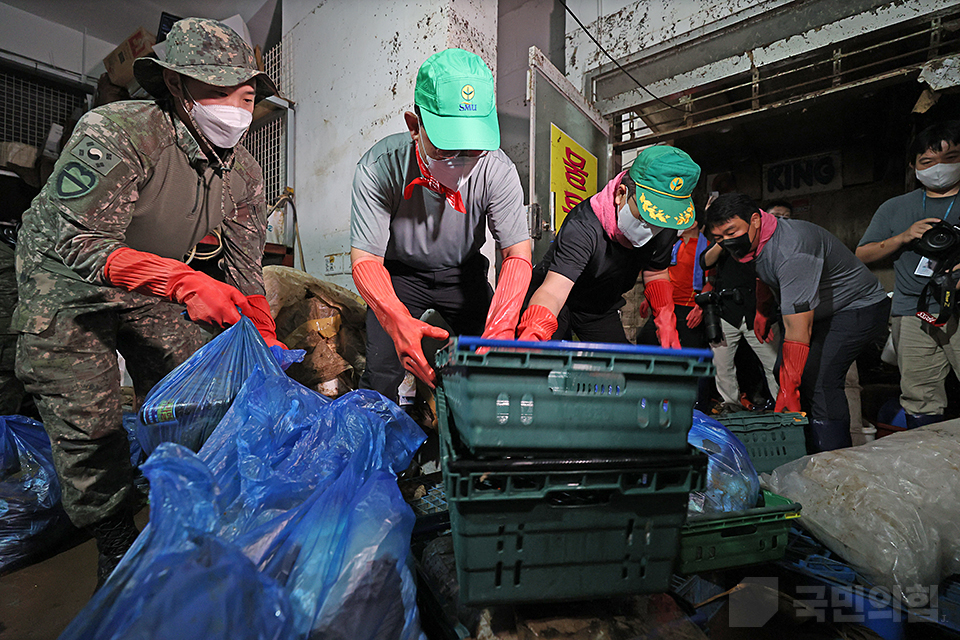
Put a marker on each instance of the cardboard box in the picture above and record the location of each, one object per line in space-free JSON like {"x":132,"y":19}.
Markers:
{"x":119,"y":63}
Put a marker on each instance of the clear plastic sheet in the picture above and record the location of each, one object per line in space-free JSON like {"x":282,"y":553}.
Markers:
{"x":186,"y":405}
{"x":732,"y":482}
{"x":287,"y":520}
{"x":32,"y":520}
{"x":890,"y":508}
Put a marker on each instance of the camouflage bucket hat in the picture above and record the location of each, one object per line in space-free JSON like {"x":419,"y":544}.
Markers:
{"x":205,"y":50}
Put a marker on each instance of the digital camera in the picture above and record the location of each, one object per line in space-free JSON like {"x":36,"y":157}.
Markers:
{"x":940,"y":241}
{"x":709,"y":301}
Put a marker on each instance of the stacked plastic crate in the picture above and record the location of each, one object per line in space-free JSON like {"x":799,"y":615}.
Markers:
{"x":566,"y":466}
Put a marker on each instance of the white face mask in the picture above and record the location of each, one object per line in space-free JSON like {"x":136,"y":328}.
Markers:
{"x":223,"y":125}
{"x":939,"y":177}
{"x":638,"y":232}
{"x":451,"y":173}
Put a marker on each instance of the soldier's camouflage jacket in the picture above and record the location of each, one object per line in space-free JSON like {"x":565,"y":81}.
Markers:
{"x":132,"y":175}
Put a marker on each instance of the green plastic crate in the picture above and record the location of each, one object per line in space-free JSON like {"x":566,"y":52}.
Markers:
{"x":771,"y":439}
{"x":709,"y":542}
{"x":540,"y":530}
{"x":571,"y":397}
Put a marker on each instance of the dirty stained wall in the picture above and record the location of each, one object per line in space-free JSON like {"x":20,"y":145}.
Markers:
{"x":637,"y":27}
{"x":625,"y":26}
{"x":353,"y":68}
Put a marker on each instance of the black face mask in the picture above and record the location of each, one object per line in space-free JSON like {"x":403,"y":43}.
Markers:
{"x":738,"y":246}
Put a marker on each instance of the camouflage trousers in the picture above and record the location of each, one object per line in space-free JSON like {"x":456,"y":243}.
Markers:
{"x":11,"y":389}
{"x":71,"y":368}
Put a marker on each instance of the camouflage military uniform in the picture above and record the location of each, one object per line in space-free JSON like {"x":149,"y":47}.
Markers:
{"x":11,"y":389}
{"x":131,"y":175}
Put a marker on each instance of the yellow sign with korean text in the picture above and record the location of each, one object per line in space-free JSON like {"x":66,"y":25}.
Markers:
{"x":573,"y":173}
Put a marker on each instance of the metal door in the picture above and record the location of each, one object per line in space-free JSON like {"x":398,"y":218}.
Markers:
{"x":570,"y":149}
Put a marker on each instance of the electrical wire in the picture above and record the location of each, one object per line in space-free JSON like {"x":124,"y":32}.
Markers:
{"x":619,"y":66}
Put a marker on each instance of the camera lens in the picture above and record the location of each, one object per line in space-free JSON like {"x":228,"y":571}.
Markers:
{"x":939,"y":238}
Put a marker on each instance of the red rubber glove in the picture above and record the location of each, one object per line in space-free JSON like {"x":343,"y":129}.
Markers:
{"x":791,"y":371}
{"x":538,"y":324}
{"x":644,"y":309}
{"x":207,"y":300}
{"x":258,"y":310}
{"x":695,"y":317}
{"x":507,"y":300}
{"x":766,"y":310}
{"x":373,"y":283}
{"x":659,"y":293}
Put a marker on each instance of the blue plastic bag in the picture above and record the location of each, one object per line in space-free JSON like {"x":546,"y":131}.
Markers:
{"x":732,"y":482}
{"x":292,"y":486}
{"x":32,"y":520}
{"x":179,"y":580}
{"x":188,"y":403}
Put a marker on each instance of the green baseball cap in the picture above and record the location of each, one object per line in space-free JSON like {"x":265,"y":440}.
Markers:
{"x":665,"y":178}
{"x":457,"y":102}
{"x":205,"y":50}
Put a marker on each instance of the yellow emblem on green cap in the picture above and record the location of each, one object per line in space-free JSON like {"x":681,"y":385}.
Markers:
{"x":676,"y":184}
{"x":467,"y":92}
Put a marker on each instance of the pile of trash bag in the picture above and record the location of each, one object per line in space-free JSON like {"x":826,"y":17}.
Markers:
{"x":188,"y":403}
{"x":32,"y":520}
{"x":325,"y":320}
{"x":889,"y":508}
{"x":732,"y":481}
{"x":288,"y":523}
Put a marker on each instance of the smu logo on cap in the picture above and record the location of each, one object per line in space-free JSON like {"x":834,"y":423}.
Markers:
{"x":467,"y":93}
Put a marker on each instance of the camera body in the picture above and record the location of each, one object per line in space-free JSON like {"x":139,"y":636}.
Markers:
{"x":709,"y":301}
{"x":940,"y":241}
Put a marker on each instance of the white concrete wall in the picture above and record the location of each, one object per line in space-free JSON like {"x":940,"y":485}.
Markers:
{"x":49,"y":43}
{"x":354,"y":67}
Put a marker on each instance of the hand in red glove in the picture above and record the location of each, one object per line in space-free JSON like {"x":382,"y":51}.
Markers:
{"x":373,"y":283}
{"x":207,"y":300}
{"x":766,"y":310}
{"x":258,"y":310}
{"x":644,"y":309}
{"x":507,"y":300}
{"x":791,"y":372}
{"x":695,"y":316}
{"x":659,"y":293}
{"x":538,"y":324}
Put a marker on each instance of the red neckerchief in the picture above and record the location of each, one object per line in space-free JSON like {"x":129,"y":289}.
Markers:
{"x":428,"y":181}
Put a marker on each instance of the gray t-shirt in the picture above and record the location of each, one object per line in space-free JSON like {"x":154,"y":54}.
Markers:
{"x":811,"y":269}
{"x":425,"y":232}
{"x":895,"y":216}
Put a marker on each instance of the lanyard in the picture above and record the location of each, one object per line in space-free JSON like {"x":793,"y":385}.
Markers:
{"x":947,"y":214}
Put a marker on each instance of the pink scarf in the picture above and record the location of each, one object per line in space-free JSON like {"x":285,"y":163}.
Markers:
{"x":768,"y":224}
{"x":606,"y":210}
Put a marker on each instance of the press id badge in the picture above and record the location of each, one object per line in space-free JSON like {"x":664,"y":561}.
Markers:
{"x":925,"y":268}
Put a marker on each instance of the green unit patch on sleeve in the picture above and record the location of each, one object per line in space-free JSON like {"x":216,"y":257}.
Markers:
{"x":75,"y":180}
{"x":95,"y":155}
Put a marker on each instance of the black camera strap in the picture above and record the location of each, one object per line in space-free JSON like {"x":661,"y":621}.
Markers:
{"x":943,"y":285}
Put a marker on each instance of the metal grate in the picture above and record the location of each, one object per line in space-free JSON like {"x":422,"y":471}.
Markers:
{"x":267,"y":140}
{"x":29,"y":106}
{"x":884,"y":55}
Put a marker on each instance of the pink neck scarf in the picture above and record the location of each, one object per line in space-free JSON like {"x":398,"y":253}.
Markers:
{"x":768,"y":224}
{"x":606,"y":210}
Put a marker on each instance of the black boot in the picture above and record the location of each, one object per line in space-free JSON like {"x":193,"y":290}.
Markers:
{"x":114,"y":535}
{"x":920,"y":420}
{"x":827,"y":435}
